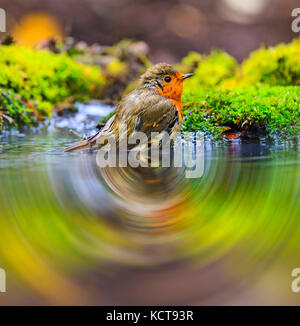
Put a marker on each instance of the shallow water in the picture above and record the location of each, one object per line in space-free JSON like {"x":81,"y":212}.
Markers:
{"x":72,"y":233}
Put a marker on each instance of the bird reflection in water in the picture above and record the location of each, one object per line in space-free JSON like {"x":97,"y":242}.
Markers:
{"x":148,"y":235}
{"x":146,"y":196}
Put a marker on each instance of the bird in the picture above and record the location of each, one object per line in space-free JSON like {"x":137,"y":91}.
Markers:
{"x":154,"y":106}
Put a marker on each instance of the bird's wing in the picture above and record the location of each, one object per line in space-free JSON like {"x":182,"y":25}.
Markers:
{"x":152,"y":112}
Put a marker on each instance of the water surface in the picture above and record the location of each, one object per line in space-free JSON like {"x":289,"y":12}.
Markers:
{"x":72,"y":233}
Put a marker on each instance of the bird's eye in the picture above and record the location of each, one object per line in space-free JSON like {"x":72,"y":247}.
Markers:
{"x":168,"y":79}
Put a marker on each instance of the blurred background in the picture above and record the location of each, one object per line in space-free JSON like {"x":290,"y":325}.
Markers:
{"x":171,"y":27}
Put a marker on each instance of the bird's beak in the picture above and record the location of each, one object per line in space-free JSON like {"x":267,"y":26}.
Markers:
{"x":186,"y":76}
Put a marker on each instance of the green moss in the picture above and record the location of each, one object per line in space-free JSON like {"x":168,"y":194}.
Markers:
{"x":274,"y":66}
{"x":44,"y":80}
{"x":212,"y":70}
{"x":256,"y":95}
{"x":273,"y":109}
{"x":116,"y":67}
{"x":190,"y":62}
{"x":278,"y":65}
{"x":13,"y":111}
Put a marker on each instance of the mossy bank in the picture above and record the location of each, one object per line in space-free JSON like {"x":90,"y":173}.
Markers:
{"x":261,"y":95}
{"x":33,"y":82}
{"x":272,"y":110}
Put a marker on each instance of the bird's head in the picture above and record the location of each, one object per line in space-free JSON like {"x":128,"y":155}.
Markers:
{"x":166,"y":80}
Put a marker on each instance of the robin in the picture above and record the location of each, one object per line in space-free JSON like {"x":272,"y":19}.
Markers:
{"x":154,"y":106}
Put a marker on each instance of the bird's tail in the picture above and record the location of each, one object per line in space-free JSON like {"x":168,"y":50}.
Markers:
{"x":90,"y":142}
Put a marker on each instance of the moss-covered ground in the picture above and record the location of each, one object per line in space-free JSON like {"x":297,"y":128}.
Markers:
{"x":33,"y":82}
{"x":262,"y":94}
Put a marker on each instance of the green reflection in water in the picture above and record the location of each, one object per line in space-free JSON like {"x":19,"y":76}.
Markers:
{"x":73,"y":233}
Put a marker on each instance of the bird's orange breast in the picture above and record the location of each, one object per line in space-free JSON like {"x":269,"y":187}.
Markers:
{"x":173,"y":91}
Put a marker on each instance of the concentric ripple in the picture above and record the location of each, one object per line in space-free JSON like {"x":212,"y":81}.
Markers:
{"x":72,"y":233}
